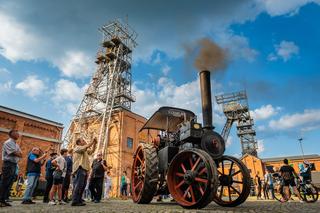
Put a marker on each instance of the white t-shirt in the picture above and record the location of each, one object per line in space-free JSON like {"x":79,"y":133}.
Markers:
{"x":62,"y":164}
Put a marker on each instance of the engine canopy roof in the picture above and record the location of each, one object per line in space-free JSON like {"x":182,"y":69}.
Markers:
{"x":168,"y":118}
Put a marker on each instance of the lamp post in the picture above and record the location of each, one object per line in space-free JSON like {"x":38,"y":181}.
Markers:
{"x":300,"y":141}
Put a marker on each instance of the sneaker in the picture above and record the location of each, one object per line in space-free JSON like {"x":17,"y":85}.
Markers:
{"x":7,"y":204}
{"x":51,"y":203}
{"x":27,"y":202}
{"x":66,"y":200}
{"x":97,"y":201}
{"x":301,"y":201}
{"x":282,"y":200}
{"x":3,"y":204}
{"x":61,"y":202}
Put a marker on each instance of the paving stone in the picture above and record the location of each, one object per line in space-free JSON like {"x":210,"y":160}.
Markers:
{"x":120,"y":206}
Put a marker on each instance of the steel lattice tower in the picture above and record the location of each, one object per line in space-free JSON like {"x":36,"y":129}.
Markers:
{"x":236,"y":108}
{"x":110,"y":86}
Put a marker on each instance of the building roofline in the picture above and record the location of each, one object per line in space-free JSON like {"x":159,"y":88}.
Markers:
{"x":124,"y":109}
{"x":293,"y":157}
{"x":33,"y":136}
{"x":296,"y":157}
{"x":29,"y":116}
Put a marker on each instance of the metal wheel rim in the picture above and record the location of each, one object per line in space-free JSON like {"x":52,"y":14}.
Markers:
{"x":185,"y":191}
{"x":231,"y":179}
{"x":309,"y":193}
{"x":138,"y":174}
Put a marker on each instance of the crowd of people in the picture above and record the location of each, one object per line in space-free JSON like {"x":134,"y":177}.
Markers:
{"x":89,"y":180}
{"x":61,"y":169}
{"x":288,"y":179}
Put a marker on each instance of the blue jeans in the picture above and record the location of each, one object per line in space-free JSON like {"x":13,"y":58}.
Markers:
{"x":271,"y":189}
{"x":79,"y":184}
{"x":31,"y":185}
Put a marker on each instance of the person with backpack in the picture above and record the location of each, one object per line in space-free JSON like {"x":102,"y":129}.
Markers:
{"x":288,"y":174}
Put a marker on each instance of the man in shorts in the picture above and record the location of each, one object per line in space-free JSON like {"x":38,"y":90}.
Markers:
{"x":58,"y":175}
{"x":287,"y":173}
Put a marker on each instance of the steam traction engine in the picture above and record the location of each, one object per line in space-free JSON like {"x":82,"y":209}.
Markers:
{"x":186,"y":160}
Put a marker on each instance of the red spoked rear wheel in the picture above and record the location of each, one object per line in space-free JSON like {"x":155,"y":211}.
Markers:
{"x":144,"y":176}
{"x":192,"y":178}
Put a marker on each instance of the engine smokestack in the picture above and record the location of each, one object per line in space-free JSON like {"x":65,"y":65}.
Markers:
{"x":205,"y":88}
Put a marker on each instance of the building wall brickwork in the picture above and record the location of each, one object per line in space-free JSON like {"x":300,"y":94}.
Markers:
{"x":123,"y":139}
{"x":257,"y":165}
{"x":34,"y":132}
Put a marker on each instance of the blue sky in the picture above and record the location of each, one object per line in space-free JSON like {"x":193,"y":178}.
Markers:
{"x":47,"y":52}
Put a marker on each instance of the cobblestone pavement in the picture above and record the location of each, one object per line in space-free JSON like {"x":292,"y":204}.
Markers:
{"x":120,"y":206}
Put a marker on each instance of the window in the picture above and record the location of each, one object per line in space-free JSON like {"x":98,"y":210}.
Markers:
{"x":129,"y":143}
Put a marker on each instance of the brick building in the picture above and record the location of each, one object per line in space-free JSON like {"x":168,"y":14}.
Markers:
{"x":124,"y":137}
{"x":257,"y":165}
{"x":34,"y":131}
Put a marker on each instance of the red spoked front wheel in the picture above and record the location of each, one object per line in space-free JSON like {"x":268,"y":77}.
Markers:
{"x":192,"y":178}
{"x":234,"y":182}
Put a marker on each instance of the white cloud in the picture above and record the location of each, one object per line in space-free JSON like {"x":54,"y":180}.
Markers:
{"x":75,"y":64}
{"x":167,"y":93}
{"x":285,"y":50}
{"x":261,"y":128}
{"x":68,"y":91}
{"x":264,"y":112}
{"x":261,"y":147}
{"x":16,"y":41}
{"x":67,"y":95}
{"x":166,"y":69}
{"x":310,"y":128}
{"x":26,"y":37}
{"x":20,"y":42}
{"x":229,"y":141}
{"x":272,"y":57}
{"x":308,"y":117}
{"x":5,"y":86}
{"x":283,"y":7}
{"x":157,"y":59}
{"x":32,"y":86}
{"x":4,"y":71}
{"x":237,"y":46}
